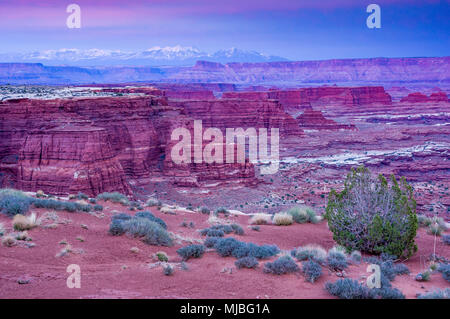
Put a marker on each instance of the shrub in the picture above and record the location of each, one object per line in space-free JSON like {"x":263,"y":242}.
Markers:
{"x":444,"y":269}
{"x":299,"y":215}
{"x":255,"y":228}
{"x":424,"y":276}
{"x":435,"y":229}
{"x":237,"y":229}
{"x":221,"y":210}
{"x":114,"y":197}
{"x":116,"y":227}
{"x":168,"y":270}
{"x":98,"y":207}
{"x":246,"y":262}
{"x":282,"y":219}
{"x":152,"y":202}
{"x":61,"y":205}
{"x":21,"y":222}
{"x":311,"y":251}
{"x":356,"y":256}
{"x":424,"y":221}
{"x":226,"y":246}
{"x":205,"y":210}
{"x":2,"y":229}
{"x":260,"y":219}
{"x":337,"y":260}
{"x":210,"y":241}
{"x":14,"y":204}
{"x":303,"y":215}
{"x":373,"y":215}
{"x":446,"y":239}
{"x":162,"y":256}
{"x":82,"y":195}
{"x":212,"y":232}
{"x":436,"y":294}
{"x":121,"y":216}
{"x":348,"y":289}
{"x":282,"y":265}
{"x":191,"y":251}
{"x":312,"y":270}
{"x":8,"y":241}
{"x":152,"y":218}
{"x":151,"y":232}
{"x":92,"y":201}
{"x":232,"y":247}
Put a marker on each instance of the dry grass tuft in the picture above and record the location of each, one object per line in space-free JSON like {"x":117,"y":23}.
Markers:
{"x":260,"y":219}
{"x":282,"y":219}
{"x":21,"y":222}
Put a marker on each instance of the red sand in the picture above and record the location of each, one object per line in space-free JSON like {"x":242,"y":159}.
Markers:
{"x":103,"y":257}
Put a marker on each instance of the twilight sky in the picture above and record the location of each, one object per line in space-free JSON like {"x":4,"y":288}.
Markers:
{"x":295,"y":29}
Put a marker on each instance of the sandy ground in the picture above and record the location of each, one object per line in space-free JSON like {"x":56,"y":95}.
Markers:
{"x":110,"y":270}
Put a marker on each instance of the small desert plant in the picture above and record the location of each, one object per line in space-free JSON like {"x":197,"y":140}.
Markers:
{"x":205,"y":210}
{"x":336,"y":260}
{"x":151,"y":217}
{"x":232,"y":247}
{"x":21,"y":222}
{"x":373,"y":216}
{"x":162,"y":256}
{"x":356,"y":256}
{"x":191,"y":251}
{"x":282,"y":265}
{"x":151,"y":232}
{"x":255,"y":228}
{"x":444,"y":269}
{"x":424,"y":221}
{"x":210,"y":232}
{"x":98,"y":207}
{"x":168,"y":270}
{"x":436,"y":294}
{"x":314,"y":252}
{"x":210,"y":241}
{"x":81,"y":195}
{"x":260,"y":219}
{"x":246,"y":262}
{"x":348,"y":289}
{"x":221,"y":210}
{"x":8,"y":241}
{"x":282,"y":219}
{"x":116,"y":227}
{"x":446,"y":239}
{"x":424,"y":276}
{"x":114,"y":197}
{"x":303,"y":215}
{"x":61,"y":205}
{"x":237,"y":229}
{"x":435,"y":229}
{"x":312,"y":270}
{"x":152,"y":202}
{"x":14,"y":203}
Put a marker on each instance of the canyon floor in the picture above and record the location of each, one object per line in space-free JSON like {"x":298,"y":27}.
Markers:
{"x":110,"y":269}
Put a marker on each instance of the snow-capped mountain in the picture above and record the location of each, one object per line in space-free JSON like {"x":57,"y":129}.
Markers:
{"x":174,"y":56}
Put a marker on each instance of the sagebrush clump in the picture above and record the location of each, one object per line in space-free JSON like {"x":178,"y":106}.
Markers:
{"x":282,"y":265}
{"x":149,"y":231}
{"x":114,"y":197}
{"x":191,"y":251}
{"x":373,"y":215}
{"x":312,"y":270}
{"x":314,"y":252}
{"x":246,"y":262}
{"x":238,"y":249}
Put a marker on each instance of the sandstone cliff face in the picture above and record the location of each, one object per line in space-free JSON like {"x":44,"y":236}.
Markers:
{"x":314,"y":120}
{"x":418,"y":97}
{"x":103,"y":144}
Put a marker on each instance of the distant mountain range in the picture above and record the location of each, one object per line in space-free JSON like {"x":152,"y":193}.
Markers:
{"x":156,"y":56}
{"x":375,"y":71}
